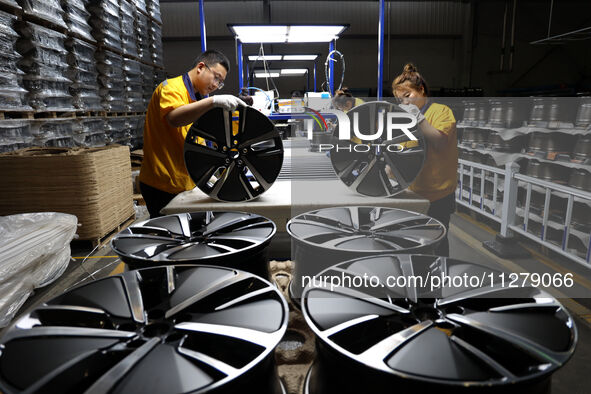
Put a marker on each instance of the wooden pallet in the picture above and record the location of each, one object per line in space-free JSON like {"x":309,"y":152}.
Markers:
{"x":65,"y":114}
{"x":99,"y":242}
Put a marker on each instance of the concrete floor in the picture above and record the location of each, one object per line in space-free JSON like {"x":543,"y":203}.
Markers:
{"x":466,"y":237}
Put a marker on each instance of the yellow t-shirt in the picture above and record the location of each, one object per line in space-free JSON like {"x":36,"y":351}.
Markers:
{"x":163,"y":166}
{"x":438,"y":178}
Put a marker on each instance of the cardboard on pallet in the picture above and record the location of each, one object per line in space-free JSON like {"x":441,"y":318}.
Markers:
{"x":92,"y":183}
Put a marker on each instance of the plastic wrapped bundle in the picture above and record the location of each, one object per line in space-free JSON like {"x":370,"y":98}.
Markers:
{"x":133,"y":94}
{"x":128,"y":39}
{"x":111,"y":80}
{"x":34,"y":251}
{"x":118,"y":130}
{"x":76,"y":17}
{"x":11,"y":3}
{"x":53,"y":132}
{"x":106,"y":27}
{"x":141,"y":5}
{"x":90,"y":133}
{"x":48,"y":10}
{"x":48,"y":93}
{"x":83,"y":73}
{"x":141,"y":32}
{"x":154,"y":10}
{"x":11,"y":91}
{"x":136,"y":127}
{"x":14,"y":134}
{"x":156,"y":50}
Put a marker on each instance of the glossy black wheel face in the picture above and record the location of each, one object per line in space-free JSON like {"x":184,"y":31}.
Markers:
{"x":233,"y":164}
{"x":378,"y":168}
{"x":172,"y":329}
{"x":365,"y":230}
{"x":459,"y":337}
{"x":194,"y":237}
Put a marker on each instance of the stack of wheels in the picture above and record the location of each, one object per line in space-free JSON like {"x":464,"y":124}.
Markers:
{"x":328,"y":236}
{"x":395,"y":335}
{"x":231,"y":239}
{"x":168,"y":329}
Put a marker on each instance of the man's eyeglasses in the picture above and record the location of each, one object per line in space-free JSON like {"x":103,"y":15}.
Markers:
{"x":217,"y":79}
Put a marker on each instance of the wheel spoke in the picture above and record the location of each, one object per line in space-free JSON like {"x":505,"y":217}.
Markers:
{"x":108,"y":380}
{"x":219,"y":365}
{"x":381,"y":350}
{"x":483,"y":357}
{"x":134,"y":296}
{"x":245,"y":334}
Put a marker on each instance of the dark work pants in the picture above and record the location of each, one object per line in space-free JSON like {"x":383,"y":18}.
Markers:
{"x":155,"y":199}
{"x":441,"y":210}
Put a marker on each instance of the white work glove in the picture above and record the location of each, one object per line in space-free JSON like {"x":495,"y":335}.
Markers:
{"x":227,"y":102}
{"x":414,"y":111}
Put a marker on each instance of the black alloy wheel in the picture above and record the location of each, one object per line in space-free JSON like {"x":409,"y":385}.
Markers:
{"x":382,"y":167}
{"x":328,"y":236}
{"x":232,"y":239}
{"x":169,"y":329}
{"x":390,"y":332}
{"x":233,"y":163}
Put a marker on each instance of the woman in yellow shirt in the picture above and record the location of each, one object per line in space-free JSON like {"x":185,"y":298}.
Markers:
{"x":437,"y":180}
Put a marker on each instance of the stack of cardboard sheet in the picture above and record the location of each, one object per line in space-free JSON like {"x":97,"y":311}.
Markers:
{"x":92,"y":183}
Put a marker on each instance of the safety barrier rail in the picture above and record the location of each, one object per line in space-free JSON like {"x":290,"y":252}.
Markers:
{"x":550,"y":227}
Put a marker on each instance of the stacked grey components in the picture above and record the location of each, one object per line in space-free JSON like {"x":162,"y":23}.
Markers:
{"x":12,"y":94}
{"x":77,"y":16}
{"x":232,"y":239}
{"x":111,"y":74}
{"x":45,"y":64}
{"x":173,"y":329}
{"x":84,"y":75}
{"x":432,"y":339}
{"x":48,"y":10}
{"x":128,"y":36}
{"x":142,"y":38}
{"x":133,"y":95}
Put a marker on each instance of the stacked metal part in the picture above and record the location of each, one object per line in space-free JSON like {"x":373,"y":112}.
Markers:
{"x":136,"y":124}
{"x":48,"y":10}
{"x":12,"y":93}
{"x":128,"y":37}
{"x":117,"y":130}
{"x":111,"y":90}
{"x":133,"y":95}
{"x":141,"y":33}
{"x":84,"y":75}
{"x":14,"y":134}
{"x":141,"y":6}
{"x":56,"y":133}
{"x":106,"y":27}
{"x":148,"y":83}
{"x":76,"y":17}
{"x":155,"y":40}
{"x":11,"y":4}
{"x":90,"y":132}
{"x":44,"y":61}
{"x":153,"y":7}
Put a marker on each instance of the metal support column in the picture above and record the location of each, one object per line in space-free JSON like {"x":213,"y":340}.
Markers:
{"x":380,"y":50}
{"x":202,"y":24}
{"x":239,"y":60}
{"x":331,"y":70}
{"x":315,"y":76}
{"x":504,"y":244}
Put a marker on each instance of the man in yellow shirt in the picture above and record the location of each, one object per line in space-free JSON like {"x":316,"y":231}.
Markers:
{"x":175,"y":105}
{"x":437,"y":180}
